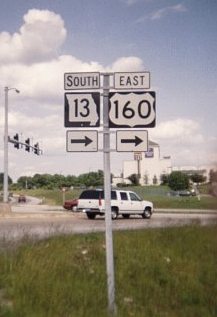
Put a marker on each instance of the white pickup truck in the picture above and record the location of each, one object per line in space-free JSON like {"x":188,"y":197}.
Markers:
{"x":123,"y":202}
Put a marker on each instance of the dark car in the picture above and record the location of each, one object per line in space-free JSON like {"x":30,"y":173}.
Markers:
{"x":22,"y":199}
{"x":71,"y":204}
{"x":183,"y":193}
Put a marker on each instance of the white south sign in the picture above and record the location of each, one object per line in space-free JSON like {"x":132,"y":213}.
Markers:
{"x":132,"y":109}
{"x":76,"y":81}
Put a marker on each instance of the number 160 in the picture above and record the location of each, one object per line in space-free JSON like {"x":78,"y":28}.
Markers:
{"x":127,"y":110}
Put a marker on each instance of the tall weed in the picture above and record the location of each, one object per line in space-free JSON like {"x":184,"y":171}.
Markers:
{"x":158,"y":272}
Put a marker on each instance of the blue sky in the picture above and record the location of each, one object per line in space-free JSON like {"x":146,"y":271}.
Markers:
{"x":174,"y":40}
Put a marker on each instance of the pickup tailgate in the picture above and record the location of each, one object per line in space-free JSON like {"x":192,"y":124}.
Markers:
{"x":89,"y":204}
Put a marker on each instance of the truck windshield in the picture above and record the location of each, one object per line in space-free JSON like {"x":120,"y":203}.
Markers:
{"x":135,"y":197}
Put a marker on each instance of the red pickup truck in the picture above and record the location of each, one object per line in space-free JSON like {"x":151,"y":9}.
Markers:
{"x":71,"y":204}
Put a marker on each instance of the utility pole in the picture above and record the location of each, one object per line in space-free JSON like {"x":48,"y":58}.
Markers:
{"x":5,"y":181}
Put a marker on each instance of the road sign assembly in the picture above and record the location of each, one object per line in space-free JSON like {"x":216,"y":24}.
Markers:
{"x":130,"y":109}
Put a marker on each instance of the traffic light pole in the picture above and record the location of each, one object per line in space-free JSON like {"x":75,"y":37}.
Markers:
{"x":107,"y":191}
{"x":26,"y":144}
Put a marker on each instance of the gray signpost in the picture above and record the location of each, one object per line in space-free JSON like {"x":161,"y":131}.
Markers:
{"x":83,"y":110}
{"x":107,"y":190}
{"x":120,"y":110}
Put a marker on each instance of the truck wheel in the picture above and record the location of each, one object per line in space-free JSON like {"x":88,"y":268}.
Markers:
{"x":114,"y":213}
{"x":147,"y":213}
{"x":91,"y":215}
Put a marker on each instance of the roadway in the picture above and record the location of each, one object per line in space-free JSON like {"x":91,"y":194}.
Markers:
{"x":40,"y":221}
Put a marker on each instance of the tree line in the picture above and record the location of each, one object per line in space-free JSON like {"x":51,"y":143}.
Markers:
{"x":48,"y":181}
{"x":176,"y":180}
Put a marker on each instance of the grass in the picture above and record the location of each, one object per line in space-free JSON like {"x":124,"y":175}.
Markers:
{"x":185,"y":202}
{"x":52,"y":197}
{"x":159,"y":196}
{"x":159,"y":273}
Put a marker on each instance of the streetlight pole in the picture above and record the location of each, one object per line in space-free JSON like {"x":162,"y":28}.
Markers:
{"x":5,"y":182}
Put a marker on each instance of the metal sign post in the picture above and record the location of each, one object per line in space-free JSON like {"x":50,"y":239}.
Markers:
{"x":107,"y":191}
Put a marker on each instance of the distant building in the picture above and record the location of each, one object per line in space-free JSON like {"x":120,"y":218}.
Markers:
{"x":149,"y":166}
{"x":190,"y":170}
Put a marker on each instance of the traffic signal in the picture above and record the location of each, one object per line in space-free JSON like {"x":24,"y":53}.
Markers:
{"x":27,"y":143}
{"x":36,"y":148}
{"x":16,"y":141}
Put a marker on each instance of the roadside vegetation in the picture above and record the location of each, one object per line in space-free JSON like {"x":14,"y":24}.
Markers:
{"x":158,"y":272}
{"x":177,"y":180}
{"x":54,"y":189}
{"x":159,"y":195}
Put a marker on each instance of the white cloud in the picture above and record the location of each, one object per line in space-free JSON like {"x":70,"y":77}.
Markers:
{"x":44,"y":80}
{"x":39,"y":38}
{"x":130,"y":2}
{"x":133,"y":2}
{"x":161,"y":13}
{"x":36,"y":124}
{"x":29,"y":59}
{"x":158,"y":14}
{"x":183,"y":140}
{"x":179,"y":130}
{"x":130,"y":63}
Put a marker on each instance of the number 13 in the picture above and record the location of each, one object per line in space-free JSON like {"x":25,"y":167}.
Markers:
{"x":82,"y":107}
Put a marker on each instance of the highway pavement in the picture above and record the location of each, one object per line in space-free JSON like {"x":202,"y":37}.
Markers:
{"x":41,"y":221}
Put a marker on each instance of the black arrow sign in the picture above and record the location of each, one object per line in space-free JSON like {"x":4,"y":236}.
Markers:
{"x":86,"y":141}
{"x":136,"y":140}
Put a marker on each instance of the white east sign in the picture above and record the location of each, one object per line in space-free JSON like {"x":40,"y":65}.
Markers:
{"x":140,"y":80}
